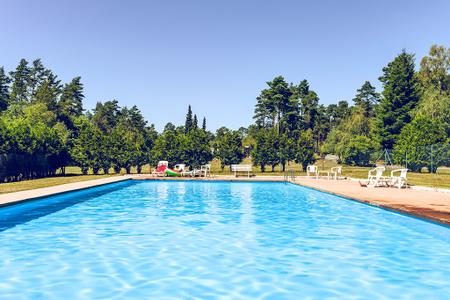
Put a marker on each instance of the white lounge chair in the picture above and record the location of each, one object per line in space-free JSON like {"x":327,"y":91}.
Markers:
{"x":204,"y":171}
{"x":183,"y":170}
{"x":311,"y":169}
{"x":400,"y":180}
{"x":375,"y":178}
{"x":336,"y":172}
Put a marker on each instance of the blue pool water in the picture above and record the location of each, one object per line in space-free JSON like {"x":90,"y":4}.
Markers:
{"x":217,"y":240}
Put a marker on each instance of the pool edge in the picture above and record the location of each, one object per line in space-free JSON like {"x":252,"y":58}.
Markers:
{"x":404,"y":212}
{"x":40,"y":193}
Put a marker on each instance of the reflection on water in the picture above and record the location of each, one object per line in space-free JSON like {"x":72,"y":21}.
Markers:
{"x":206,"y":240}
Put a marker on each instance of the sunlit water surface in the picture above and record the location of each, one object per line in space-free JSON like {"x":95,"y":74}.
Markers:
{"x":208,"y":240}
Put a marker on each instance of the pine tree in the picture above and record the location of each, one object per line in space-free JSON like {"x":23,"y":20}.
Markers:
{"x":366,"y":98}
{"x":48,"y":91}
{"x":195,"y":122}
{"x":400,"y":97}
{"x":188,"y":122}
{"x":274,"y":103}
{"x":204,"y":124}
{"x":20,"y":83}
{"x":38,"y":74}
{"x":4,"y":89}
{"x":71,"y":101}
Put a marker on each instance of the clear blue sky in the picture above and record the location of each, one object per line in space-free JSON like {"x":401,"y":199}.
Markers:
{"x":216,"y":55}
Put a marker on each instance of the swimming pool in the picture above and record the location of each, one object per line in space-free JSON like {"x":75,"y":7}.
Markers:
{"x":208,"y":240}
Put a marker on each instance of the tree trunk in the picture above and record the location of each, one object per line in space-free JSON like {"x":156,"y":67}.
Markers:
{"x":304,"y":165}
{"x":139,"y":169}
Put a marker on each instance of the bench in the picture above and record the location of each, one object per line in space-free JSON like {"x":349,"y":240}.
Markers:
{"x":241,"y":168}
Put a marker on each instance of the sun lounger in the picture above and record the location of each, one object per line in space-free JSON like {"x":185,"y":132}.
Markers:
{"x":334,"y":172}
{"x":400,"y":180}
{"x":311,"y":169}
{"x":204,"y":171}
{"x":375,"y":178}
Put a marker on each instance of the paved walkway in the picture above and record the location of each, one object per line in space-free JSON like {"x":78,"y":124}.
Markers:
{"x":430,"y":205}
{"x":11,"y":198}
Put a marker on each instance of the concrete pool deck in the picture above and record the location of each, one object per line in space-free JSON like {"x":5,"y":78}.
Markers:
{"x":17,"y":197}
{"x":426,"y":204}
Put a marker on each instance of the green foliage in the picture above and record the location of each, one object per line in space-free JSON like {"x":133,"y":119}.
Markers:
{"x":400,"y":97}
{"x":4,"y":89}
{"x":188,"y":124}
{"x":434,"y":79}
{"x":275,"y":104}
{"x":35,"y":139}
{"x":305,"y":149}
{"x":228,"y":147}
{"x":366,"y":99}
{"x":343,"y":135}
{"x":204,"y":124}
{"x":265,"y":151}
{"x":106,"y":115}
{"x":195,"y":122}
{"x":416,"y":141}
{"x":335,"y":114}
{"x":176,"y":146}
{"x":358,"y":151}
{"x":70,"y":104}
{"x":21,"y":79}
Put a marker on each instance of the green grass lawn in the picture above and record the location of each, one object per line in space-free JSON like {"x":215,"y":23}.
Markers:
{"x":73,"y":174}
{"x":44,"y":182}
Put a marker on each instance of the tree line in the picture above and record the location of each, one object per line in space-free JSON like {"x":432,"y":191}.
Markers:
{"x":411,"y":113}
{"x":44,"y":127}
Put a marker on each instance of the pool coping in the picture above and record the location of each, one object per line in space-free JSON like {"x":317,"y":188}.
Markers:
{"x":428,"y":216}
{"x":395,"y":210}
{"x":9,"y":199}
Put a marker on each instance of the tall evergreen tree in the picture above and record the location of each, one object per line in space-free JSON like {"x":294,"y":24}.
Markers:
{"x":400,"y":97}
{"x":189,"y":121}
{"x":106,"y":115}
{"x":48,"y":91}
{"x":309,"y":109}
{"x":204,"y":124}
{"x":38,"y":74}
{"x":4,"y":89}
{"x":273,"y":104}
{"x":366,"y":98}
{"x":20,"y":83}
{"x":71,"y":101}
{"x":195,"y":122}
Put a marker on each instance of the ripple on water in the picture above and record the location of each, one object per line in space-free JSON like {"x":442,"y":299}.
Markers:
{"x":217,"y":240}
